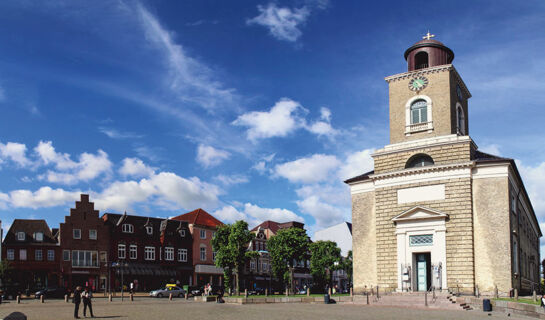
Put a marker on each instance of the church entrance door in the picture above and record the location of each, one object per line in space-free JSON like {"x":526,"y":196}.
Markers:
{"x":423,"y":270}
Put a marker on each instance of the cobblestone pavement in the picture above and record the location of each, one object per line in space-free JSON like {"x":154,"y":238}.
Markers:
{"x":148,"y":308}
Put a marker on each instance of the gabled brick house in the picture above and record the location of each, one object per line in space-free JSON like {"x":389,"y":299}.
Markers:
{"x":203,"y":226}
{"x":150,"y":251}
{"x":32,"y":250}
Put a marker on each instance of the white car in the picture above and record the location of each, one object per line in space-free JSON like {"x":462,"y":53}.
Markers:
{"x":165,"y":292}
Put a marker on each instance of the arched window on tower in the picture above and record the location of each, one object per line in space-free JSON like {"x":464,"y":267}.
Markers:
{"x":419,"y":160}
{"x":421,"y":60}
{"x":460,"y":120}
{"x":419,"y":111}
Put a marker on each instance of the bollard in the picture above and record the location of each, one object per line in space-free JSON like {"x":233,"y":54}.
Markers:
{"x":351,"y":292}
{"x":18,"y":299}
{"x":329,"y":292}
{"x":245,"y":293}
{"x":110,"y":297}
{"x":132,"y":297}
{"x":42,"y":298}
{"x":266,"y":292}
{"x":534,"y":296}
{"x":170,"y":297}
{"x":378,"y":295}
{"x":516,"y":294}
{"x":186,"y":296}
{"x":496,"y":295}
{"x":426,"y":298}
{"x":367,"y":294}
{"x":65,"y":298}
{"x":477,"y":294}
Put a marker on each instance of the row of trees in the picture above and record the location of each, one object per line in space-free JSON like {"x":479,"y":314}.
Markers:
{"x":285,"y":248}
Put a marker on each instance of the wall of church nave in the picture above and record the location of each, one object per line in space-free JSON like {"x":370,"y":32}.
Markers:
{"x":492,"y":235}
{"x":459,"y":235}
{"x":364,"y":241}
{"x":445,"y":154}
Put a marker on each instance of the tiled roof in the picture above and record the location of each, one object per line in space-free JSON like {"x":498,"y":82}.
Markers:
{"x":29,"y":227}
{"x":273,"y":226}
{"x":362,"y":177}
{"x":199,"y":217}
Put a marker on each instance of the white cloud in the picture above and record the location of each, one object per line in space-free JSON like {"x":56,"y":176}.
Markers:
{"x":166,"y":190}
{"x":254,"y":214}
{"x":46,"y":152}
{"x":323,"y":127}
{"x":534,"y":181}
{"x":15,"y":152}
{"x":41,"y":198}
{"x":357,"y":163}
{"x":190,"y":79}
{"x":324,"y":213}
{"x":232,"y":179}
{"x":283,"y":23}
{"x":282,"y":119}
{"x":209,"y":156}
{"x":135,"y":167}
{"x":260,"y":167}
{"x":308,"y":170}
{"x":116,"y":134}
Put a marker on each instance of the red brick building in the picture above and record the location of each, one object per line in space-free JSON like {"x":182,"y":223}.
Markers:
{"x":84,"y":242}
{"x":203,"y":226}
{"x":150,"y":252}
{"x":33,"y":254}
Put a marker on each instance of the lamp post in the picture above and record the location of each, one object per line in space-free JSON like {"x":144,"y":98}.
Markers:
{"x":117,"y":264}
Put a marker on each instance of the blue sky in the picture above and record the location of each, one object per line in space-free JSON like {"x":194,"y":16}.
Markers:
{"x":249,"y":109}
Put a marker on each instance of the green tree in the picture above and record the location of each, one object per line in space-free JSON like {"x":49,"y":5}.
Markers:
{"x":347,"y":266}
{"x":224,"y":259}
{"x":324,"y":259}
{"x":231,"y":247}
{"x":286,"y":247}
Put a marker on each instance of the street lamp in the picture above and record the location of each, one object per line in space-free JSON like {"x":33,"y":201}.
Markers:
{"x":118,"y":264}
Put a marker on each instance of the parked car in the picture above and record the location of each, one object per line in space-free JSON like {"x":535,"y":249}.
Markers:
{"x":48,"y":293}
{"x":10,"y":293}
{"x":166,"y":291}
{"x":256,"y":291}
{"x":196,"y":291}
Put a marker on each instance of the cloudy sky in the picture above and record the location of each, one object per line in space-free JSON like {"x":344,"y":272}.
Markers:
{"x":249,"y":109}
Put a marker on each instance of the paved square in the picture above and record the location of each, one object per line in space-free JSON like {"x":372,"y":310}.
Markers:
{"x":147,"y":308}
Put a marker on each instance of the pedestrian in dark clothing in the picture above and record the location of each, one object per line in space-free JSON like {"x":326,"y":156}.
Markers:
{"x":86,"y":296}
{"x":76,"y":300}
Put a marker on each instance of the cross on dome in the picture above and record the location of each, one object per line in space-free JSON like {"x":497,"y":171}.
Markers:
{"x":428,"y":36}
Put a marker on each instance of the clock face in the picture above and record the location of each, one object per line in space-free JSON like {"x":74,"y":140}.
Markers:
{"x":418,"y":83}
{"x":459,"y":92}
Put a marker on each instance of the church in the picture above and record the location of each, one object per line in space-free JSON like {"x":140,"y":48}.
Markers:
{"x":437,"y":213}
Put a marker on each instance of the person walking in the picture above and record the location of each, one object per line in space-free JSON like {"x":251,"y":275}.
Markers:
{"x":76,"y":299}
{"x":87,"y":295}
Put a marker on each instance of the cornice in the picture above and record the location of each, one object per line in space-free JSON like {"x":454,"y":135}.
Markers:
{"x":424,"y":143}
{"x":431,"y":70}
{"x":407,"y":172}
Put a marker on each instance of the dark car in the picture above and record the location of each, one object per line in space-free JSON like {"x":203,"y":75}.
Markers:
{"x":256,"y":291}
{"x":196,"y":291}
{"x":49,"y":293}
{"x":10,"y":293}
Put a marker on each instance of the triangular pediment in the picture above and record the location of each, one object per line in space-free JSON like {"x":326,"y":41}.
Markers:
{"x":419,"y":213}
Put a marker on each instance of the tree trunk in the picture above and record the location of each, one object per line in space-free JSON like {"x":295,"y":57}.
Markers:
{"x":292,"y":284}
{"x":237,"y":282}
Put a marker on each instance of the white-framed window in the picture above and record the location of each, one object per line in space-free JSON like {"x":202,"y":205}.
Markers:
{"x":133,"y":251}
{"x":121,"y":251}
{"x":203,"y":253}
{"x":92,"y":234}
{"x":421,"y":240}
{"x":418,"y":114}
{"x":22,"y":254}
{"x":38,"y":236}
{"x":127,"y":228}
{"x":182,"y":233}
{"x":38,"y":255}
{"x":149,"y":253}
{"x":203,"y":234}
{"x":11,"y":254}
{"x":50,"y":255}
{"x":169,"y":253}
{"x":460,"y":119}
{"x":252,"y":264}
{"x":103,"y":256}
{"x":85,"y":258}
{"x":149,"y":230}
{"x":66,"y":255}
{"x":264,"y":266}
{"x":182,"y":255}
{"x":20,"y":236}
{"x":76,"y":233}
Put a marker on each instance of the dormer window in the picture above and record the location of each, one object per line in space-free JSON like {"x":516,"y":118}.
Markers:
{"x":149,"y":230}
{"x":20,"y":236}
{"x":182,"y":233}
{"x":38,"y":236}
{"x":128,"y":228}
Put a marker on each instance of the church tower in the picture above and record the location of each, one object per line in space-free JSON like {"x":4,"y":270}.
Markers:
{"x":435,"y":211}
